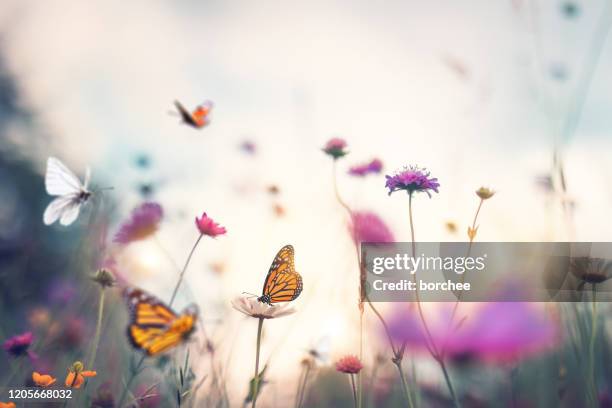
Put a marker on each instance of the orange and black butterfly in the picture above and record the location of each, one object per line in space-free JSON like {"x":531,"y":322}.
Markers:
{"x":283,"y":283}
{"x":198,"y":118}
{"x":154,"y":327}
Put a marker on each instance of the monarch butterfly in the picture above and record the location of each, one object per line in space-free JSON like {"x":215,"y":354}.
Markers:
{"x":283,"y":283}
{"x":154,"y":327}
{"x":198,"y":118}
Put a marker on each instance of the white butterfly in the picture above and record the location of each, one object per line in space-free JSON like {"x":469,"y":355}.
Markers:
{"x":72,"y":194}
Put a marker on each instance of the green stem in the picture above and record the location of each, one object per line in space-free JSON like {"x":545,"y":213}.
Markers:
{"x":94,"y":349}
{"x":352,"y":377}
{"x":256,"y":377}
{"x":592,"y":383}
{"x":134,"y":374}
{"x":449,"y":384}
{"x":180,"y":280}
{"x":359,"y":375}
{"x":303,"y":387}
{"x":298,"y":392}
{"x":407,"y":394}
{"x":432,"y":345}
{"x":460,"y":295}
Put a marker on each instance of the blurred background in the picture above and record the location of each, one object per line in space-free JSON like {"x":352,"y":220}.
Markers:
{"x":508,"y":94}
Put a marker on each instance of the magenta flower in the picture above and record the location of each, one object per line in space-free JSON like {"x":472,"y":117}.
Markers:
{"x":143,"y":223}
{"x":207,"y":226}
{"x":366,"y":226}
{"x":361,"y":170}
{"x":349,"y":365}
{"x":493,"y":331}
{"x":19,"y":345}
{"x":335,"y":147}
{"x":412,"y":179}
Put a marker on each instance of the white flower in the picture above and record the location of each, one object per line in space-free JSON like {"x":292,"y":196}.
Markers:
{"x":250,"y":306}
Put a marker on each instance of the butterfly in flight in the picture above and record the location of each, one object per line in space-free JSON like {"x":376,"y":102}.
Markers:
{"x":71,"y":193}
{"x":198,"y":118}
{"x":154,"y":327}
{"x":283,"y":283}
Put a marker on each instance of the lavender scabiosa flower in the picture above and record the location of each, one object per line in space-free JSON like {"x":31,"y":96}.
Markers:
{"x":19,"y":345}
{"x":335,"y":147}
{"x":143,"y":223}
{"x":361,"y":170}
{"x":412,"y":179}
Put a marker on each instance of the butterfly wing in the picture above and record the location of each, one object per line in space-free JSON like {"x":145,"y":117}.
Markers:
{"x":153,"y":327}
{"x":59,"y":180}
{"x":283,"y":283}
{"x":70,"y":213}
{"x":58,"y":208}
{"x":185,"y":115}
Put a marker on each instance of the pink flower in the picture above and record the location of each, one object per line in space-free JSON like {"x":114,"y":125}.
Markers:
{"x":361,"y":170}
{"x":335,"y":147}
{"x":349,"y":365}
{"x":19,"y":345}
{"x":207,"y":226}
{"x":493,"y":331}
{"x":366,"y":226}
{"x":143,"y":223}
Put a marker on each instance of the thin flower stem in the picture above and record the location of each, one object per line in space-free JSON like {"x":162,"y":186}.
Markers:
{"x":94,"y":348}
{"x":361,"y":283}
{"x":298,"y":392}
{"x":133,"y":375}
{"x":432,"y":349}
{"x":352,"y":376}
{"x":256,"y":377}
{"x":180,"y":280}
{"x":382,"y":321}
{"x":407,"y":393}
{"x":337,"y":193}
{"x":304,"y":382}
{"x":359,"y":374}
{"x":460,"y":295}
{"x":449,"y":384}
{"x":592,"y":382}
{"x":429,"y":339}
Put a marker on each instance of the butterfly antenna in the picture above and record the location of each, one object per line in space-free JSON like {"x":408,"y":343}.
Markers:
{"x":104,"y":189}
{"x":250,"y":294}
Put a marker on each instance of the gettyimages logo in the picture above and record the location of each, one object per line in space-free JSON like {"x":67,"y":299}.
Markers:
{"x":405,"y":262}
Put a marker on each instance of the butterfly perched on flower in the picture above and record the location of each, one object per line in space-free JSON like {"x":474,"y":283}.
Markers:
{"x":198,"y":118}
{"x":71,"y":193}
{"x":283,"y":283}
{"x":154,"y":327}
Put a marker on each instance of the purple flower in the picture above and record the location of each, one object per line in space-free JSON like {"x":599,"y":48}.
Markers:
{"x":491,"y":331}
{"x":412,"y":179}
{"x":19,"y":345}
{"x":143,"y":222}
{"x":375,"y":166}
{"x":335,"y":147}
{"x":366,"y":226}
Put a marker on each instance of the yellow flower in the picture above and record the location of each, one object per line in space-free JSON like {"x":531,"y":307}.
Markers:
{"x":42,"y":380}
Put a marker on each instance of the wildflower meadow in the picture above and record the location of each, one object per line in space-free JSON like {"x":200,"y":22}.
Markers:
{"x":191,"y":194}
